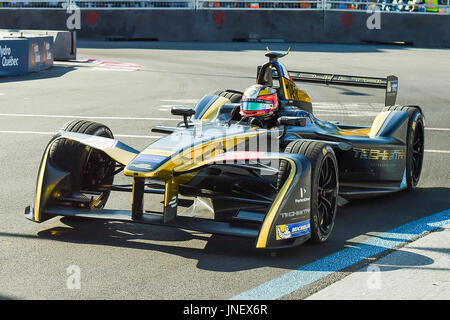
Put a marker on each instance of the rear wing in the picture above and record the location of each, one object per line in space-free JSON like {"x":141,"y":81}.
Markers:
{"x":390,"y":83}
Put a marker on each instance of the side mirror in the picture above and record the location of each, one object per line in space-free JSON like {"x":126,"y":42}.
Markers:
{"x":185,"y":112}
{"x":292,"y":121}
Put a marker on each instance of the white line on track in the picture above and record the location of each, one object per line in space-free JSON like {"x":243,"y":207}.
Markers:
{"x":27,"y":132}
{"x":82,"y":117}
{"x":136,"y":136}
{"x":182,"y":100}
{"x":438,"y":151}
{"x":53,"y":133}
{"x":438,"y":129}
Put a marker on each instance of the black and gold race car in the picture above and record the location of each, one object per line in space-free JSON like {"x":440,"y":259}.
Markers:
{"x":219,"y":172}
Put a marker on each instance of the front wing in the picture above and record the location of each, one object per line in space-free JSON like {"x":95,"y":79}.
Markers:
{"x":284,"y":222}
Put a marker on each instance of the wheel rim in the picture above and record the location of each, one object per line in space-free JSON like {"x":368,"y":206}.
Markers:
{"x":99,"y":168}
{"x":326,"y":195}
{"x":417,"y":152}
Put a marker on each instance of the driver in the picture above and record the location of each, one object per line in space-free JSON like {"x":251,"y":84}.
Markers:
{"x":259,"y":104}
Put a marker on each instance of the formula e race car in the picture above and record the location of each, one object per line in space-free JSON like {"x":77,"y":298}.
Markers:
{"x":222,"y":171}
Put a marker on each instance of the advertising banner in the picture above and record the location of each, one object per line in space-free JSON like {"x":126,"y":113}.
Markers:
{"x":23,"y":55}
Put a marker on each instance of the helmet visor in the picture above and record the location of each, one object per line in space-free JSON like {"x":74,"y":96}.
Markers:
{"x":256,"y":105}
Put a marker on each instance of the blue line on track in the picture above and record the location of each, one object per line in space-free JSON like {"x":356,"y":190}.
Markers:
{"x":307,"y":274}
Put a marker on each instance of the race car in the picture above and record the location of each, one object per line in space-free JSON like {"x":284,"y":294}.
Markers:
{"x":255,"y":164}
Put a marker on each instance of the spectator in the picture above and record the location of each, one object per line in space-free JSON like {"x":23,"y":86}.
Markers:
{"x":432,"y":6}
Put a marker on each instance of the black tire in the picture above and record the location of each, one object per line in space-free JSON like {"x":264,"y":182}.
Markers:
{"x":233,"y":96}
{"x":88,"y":167}
{"x":324,"y":185}
{"x":415,"y":139}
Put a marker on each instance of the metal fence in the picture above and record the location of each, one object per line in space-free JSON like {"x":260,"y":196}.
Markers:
{"x":418,"y":6}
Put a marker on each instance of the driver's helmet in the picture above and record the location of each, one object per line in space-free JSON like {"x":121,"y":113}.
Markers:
{"x":259,"y":100}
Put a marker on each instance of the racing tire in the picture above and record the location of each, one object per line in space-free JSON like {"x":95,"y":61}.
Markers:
{"x":233,"y":96}
{"x":324,"y":185}
{"x":88,"y":167}
{"x":415,"y":139}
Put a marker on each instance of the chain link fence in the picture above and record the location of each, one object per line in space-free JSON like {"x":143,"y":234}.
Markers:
{"x":418,"y":6}
{"x":98,"y":4}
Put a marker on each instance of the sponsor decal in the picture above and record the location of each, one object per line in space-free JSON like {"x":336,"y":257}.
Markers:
{"x":146,"y":162}
{"x":287,"y":231}
{"x":150,"y":158}
{"x":392,"y":86}
{"x":379,"y":154}
{"x":144,"y":166}
{"x":7,"y":58}
{"x":303,"y":197}
{"x":296,"y":213}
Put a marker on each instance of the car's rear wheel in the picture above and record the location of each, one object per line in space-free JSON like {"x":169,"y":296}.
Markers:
{"x":89,"y":168}
{"x":324,"y":185}
{"x":233,"y":96}
{"x":415,"y":140}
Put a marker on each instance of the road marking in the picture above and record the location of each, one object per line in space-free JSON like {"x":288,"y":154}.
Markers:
{"x":27,"y":132}
{"x":165,"y":107}
{"x":136,"y":136}
{"x":83,"y":117}
{"x":312,"y":272}
{"x":438,"y":129}
{"x":181,"y":100}
{"x":53,"y":133}
{"x":347,"y":114}
{"x":438,"y":151}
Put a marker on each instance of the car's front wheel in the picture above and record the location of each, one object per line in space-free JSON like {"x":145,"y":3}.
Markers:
{"x":324,"y":185}
{"x":89,"y":168}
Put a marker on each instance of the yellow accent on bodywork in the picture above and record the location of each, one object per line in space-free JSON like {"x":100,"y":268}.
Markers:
{"x":303,"y":96}
{"x":377,"y":123}
{"x":121,"y":156}
{"x":170,"y":191}
{"x":270,"y":217}
{"x":198,"y":153}
{"x":354,"y":132}
{"x":37,"y":201}
{"x":292,"y":92}
{"x":371,"y":132}
{"x":155,"y":152}
{"x":212,"y":111}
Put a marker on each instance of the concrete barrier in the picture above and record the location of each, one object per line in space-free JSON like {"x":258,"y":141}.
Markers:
{"x":64,"y":42}
{"x":24,"y":55}
{"x":431,"y":30}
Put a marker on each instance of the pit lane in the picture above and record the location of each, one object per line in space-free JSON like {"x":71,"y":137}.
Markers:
{"x":126,"y":261}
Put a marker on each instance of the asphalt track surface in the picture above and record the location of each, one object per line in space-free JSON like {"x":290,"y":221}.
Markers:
{"x":130,"y":261}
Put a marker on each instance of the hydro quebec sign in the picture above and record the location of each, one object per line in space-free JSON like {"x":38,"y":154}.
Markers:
{"x":23,"y":55}
{"x":7,"y":59}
